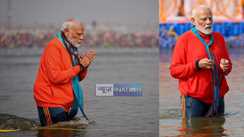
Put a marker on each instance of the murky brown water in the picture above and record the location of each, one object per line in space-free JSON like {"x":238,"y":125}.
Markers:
{"x":232,"y":124}
{"x":114,"y":116}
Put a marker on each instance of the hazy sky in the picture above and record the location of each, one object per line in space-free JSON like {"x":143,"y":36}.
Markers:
{"x":128,"y":12}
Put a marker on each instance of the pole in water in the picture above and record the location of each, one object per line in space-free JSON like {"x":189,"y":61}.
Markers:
{"x":183,"y":111}
{"x":7,"y":130}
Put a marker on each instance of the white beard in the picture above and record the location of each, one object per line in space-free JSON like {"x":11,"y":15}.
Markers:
{"x":74,"y":44}
{"x":204,"y":31}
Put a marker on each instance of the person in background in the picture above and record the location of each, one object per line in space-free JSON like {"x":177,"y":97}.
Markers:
{"x":56,"y":89}
{"x":200,"y":62}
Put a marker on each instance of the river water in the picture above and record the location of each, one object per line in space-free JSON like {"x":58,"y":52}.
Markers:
{"x":232,"y":124}
{"x":114,"y":116}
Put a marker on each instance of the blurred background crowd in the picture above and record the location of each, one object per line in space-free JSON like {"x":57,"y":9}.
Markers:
{"x":174,"y":20}
{"x":233,"y":33}
{"x":32,"y":23}
{"x":96,"y":36}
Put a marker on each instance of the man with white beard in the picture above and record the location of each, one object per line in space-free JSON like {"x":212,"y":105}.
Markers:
{"x":201,"y":61}
{"x":56,"y":89}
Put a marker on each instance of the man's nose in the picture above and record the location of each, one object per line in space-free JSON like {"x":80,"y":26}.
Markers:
{"x":81,"y":37}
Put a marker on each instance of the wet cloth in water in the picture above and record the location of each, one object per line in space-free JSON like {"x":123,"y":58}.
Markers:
{"x":77,"y":89}
{"x":196,"y":108}
{"x":52,"y":115}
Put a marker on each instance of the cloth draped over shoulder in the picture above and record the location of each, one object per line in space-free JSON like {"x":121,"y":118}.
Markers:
{"x":77,"y":89}
{"x":206,"y":85}
{"x":215,"y":73}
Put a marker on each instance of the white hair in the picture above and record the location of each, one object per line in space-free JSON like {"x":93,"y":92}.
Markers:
{"x":196,"y":10}
{"x":70,"y":23}
{"x":66,"y":25}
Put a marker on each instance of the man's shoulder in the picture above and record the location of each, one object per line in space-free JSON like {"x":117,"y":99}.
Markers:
{"x":55,"y":42}
{"x":217,"y":34}
{"x":186,"y":35}
{"x":53,"y":45}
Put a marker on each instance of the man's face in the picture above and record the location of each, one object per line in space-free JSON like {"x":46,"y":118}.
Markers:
{"x":76,"y":35}
{"x":203,"y":21}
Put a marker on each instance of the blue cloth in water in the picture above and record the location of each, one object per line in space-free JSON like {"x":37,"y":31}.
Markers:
{"x":196,"y":108}
{"x":78,"y":91}
{"x":57,"y":114}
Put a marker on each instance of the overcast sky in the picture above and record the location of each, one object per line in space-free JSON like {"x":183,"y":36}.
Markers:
{"x":127,"y":12}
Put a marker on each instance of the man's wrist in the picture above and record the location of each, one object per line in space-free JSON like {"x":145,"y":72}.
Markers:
{"x":197,"y":65}
{"x":81,"y":67}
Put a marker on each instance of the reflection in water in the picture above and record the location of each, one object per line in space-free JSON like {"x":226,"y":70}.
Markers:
{"x":203,"y":127}
{"x":60,"y":133}
{"x":173,"y":113}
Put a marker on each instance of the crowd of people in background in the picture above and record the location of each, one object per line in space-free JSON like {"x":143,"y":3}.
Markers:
{"x":167,"y":39}
{"x":34,"y":37}
{"x":235,"y":41}
{"x":17,"y":38}
{"x":100,"y":38}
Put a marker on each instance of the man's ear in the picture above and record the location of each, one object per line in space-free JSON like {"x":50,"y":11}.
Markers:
{"x":193,"y":21}
{"x":66,"y":32}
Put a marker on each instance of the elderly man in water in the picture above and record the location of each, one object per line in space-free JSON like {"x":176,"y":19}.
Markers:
{"x":57,"y":92}
{"x":201,"y":62}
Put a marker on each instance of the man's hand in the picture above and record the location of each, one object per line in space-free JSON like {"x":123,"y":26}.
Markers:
{"x":205,"y":63}
{"x":86,"y":59}
{"x":91,"y":54}
{"x":224,"y":64}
